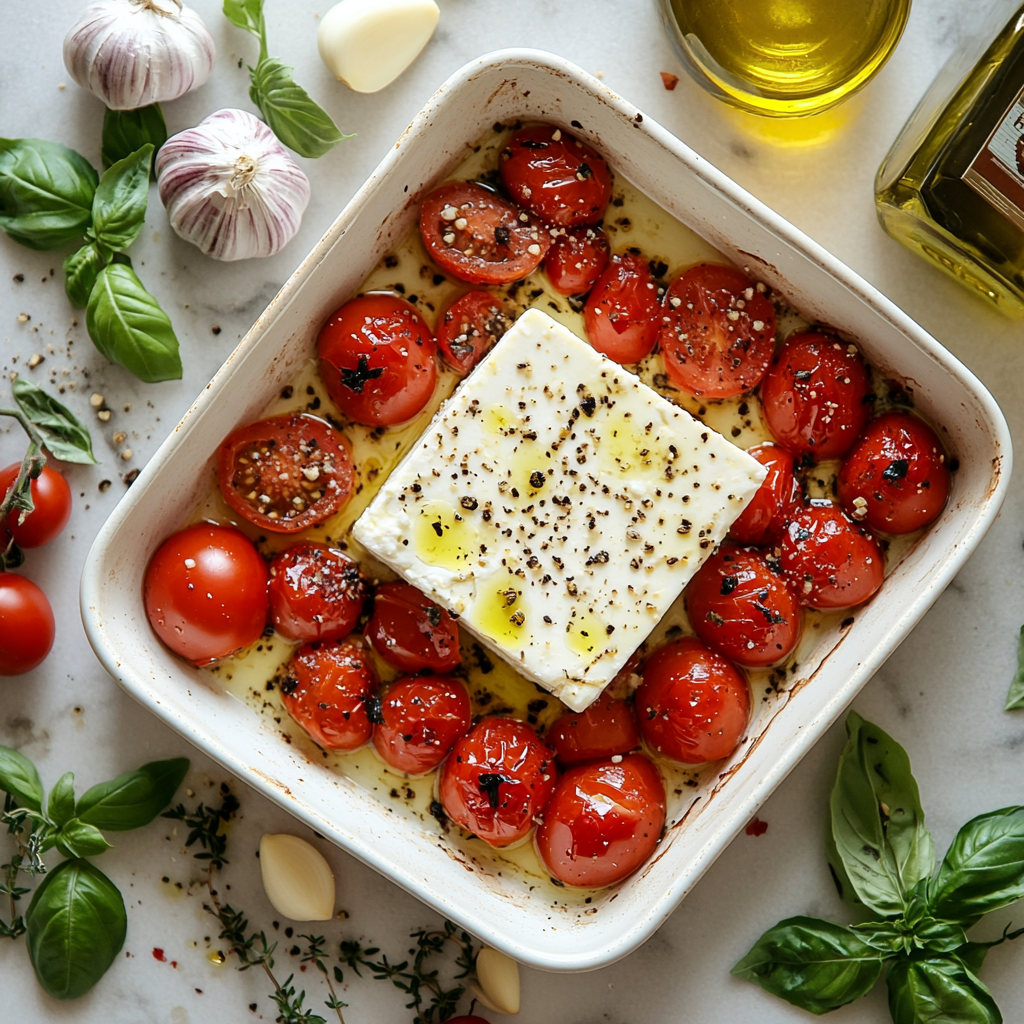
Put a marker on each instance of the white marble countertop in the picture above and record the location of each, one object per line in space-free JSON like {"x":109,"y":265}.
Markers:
{"x":941,"y":694}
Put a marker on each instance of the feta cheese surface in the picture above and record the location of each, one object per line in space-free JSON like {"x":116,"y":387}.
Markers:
{"x":559,"y":505}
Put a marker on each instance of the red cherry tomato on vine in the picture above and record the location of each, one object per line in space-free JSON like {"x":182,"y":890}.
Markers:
{"x":497,"y":779}
{"x":205,"y":592}
{"x":621,"y":314}
{"x":576,"y":260}
{"x":718,"y":332}
{"x":469,"y":328}
{"x":816,"y":395}
{"x":285,"y":473}
{"x":557,"y":177}
{"x":52,"y":499}
{"x":378,"y":359}
{"x":776,"y":501}
{"x":412,"y":633}
{"x":895,"y":479}
{"x":26,"y":625}
{"x":316,"y":593}
{"x":606,"y":728}
{"x":602,"y":821}
{"x":743,"y":609}
{"x":693,"y":705}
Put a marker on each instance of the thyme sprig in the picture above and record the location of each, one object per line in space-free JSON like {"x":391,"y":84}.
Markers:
{"x":27,"y":859}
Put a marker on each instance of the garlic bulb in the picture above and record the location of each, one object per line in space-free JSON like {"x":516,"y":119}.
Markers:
{"x":230,"y":188}
{"x":297,"y":880}
{"x":132,"y":53}
{"x":497,"y":978}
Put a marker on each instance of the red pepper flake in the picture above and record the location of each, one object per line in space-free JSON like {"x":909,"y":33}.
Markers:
{"x":669,"y":80}
{"x":174,"y":964}
{"x":158,"y":954}
{"x":757,"y":827}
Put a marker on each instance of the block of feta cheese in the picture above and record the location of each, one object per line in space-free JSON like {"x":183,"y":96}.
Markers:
{"x":559,"y":505}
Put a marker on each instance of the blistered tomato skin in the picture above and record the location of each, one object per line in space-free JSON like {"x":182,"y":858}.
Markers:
{"x":576,"y":260}
{"x":557,"y":177}
{"x":743,"y":609}
{"x":816,"y":395}
{"x":497,"y":779}
{"x":26,"y":625}
{"x":410,"y":632}
{"x":602,"y":821}
{"x":777,"y":499}
{"x":316,"y":593}
{"x":327,"y":690}
{"x":831,"y":562}
{"x":896,"y":478}
{"x":420,"y":719}
{"x":51,"y":496}
{"x":205,"y":592}
{"x":378,"y":359}
{"x":621,"y":314}
{"x":693,"y":705}
{"x":469,"y":329}
{"x":606,"y":728}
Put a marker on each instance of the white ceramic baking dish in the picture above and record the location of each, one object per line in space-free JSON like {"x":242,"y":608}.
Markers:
{"x":562,"y":935}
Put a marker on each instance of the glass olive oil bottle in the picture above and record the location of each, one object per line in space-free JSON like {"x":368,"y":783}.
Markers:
{"x":952,"y":186}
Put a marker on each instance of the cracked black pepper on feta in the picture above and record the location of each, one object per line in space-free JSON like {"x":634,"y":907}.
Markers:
{"x":559,"y":506}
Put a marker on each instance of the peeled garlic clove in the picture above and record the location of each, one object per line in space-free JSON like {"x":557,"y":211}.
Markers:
{"x":132,"y":53}
{"x":498,"y":978}
{"x":367,"y":44}
{"x":296,"y":878}
{"x":230,"y":187}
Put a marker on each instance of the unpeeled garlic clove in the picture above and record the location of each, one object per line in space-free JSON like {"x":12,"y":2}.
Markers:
{"x":367,"y":44}
{"x":296,"y":878}
{"x":497,"y":976}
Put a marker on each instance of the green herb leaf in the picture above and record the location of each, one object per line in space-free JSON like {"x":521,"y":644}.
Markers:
{"x":246,"y":14}
{"x":813,"y":964}
{"x":18,"y":776}
{"x":119,"y":209}
{"x":81,"y":269}
{"x":940,"y":990}
{"x":1015,"y":697}
{"x":128,"y":326}
{"x":127,"y":131}
{"x":877,"y":819}
{"x":64,"y":435}
{"x":939,"y":936}
{"x":133,"y":799}
{"x":287,"y":108}
{"x":46,"y":192}
{"x":76,"y":925}
{"x":61,"y":806}
{"x":76,"y":839}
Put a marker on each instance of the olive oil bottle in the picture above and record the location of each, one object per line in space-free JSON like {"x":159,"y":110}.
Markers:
{"x":952,"y":186}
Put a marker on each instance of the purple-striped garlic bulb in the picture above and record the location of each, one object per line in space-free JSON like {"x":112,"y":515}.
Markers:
{"x":230,"y":188}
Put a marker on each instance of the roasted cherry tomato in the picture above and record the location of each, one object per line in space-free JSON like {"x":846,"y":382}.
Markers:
{"x":556,"y":176}
{"x":285,"y":473}
{"x":831,"y":562}
{"x":477,"y":236}
{"x":52,"y":499}
{"x":327,"y":690}
{"x":26,"y":625}
{"x":602,"y":821}
{"x":717,"y":333}
{"x":205,"y":592}
{"x":693,"y":705}
{"x":776,"y":501}
{"x":316,"y":593}
{"x":816,"y":395}
{"x":497,"y":779}
{"x":741,"y":608}
{"x":469,"y":328}
{"x":606,"y":728}
{"x":895,"y":479}
{"x":576,"y":260}
{"x":621,"y":314}
{"x":419,"y":720}
{"x":378,"y":359}
{"x":412,"y":633}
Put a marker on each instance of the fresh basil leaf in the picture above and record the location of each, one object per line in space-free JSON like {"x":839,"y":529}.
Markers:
{"x":972,"y":955}
{"x":76,"y":839}
{"x":884,"y":936}
{"x":246,"y":14}
{"x":983,"y":869}
{"x":1015,"y":696}
{"x":46,"y":192}
{"x":61,"y":806}
{"x":939,"y":936}
{"x":813,"y":964}
{"x":127,"y":131}
{"x":128,"y":326}
{"x":76,"y":925}
{"x":81,"y":269}
{"x":940,"y":990}
{"x":64,"y":435}
{"x":877,"y":819}
{"x":18,"y":776}
{"x":133,"y":799}
{"x":287,"y":108}
{"x":119,"y":209}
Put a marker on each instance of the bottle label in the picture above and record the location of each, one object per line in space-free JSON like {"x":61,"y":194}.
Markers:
{"x":997,"y":172}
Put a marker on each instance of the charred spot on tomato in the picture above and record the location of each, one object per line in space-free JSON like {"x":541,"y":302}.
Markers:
{"x":896,"y":470}
{"x":729,"y":584}
{"x":489,"y":784}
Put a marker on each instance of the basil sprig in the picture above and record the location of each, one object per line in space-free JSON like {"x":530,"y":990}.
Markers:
{"x":883,"y":858}
{"x":76,"y":920}
{"x":292,"y":115}
{"x":127,"y":131}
